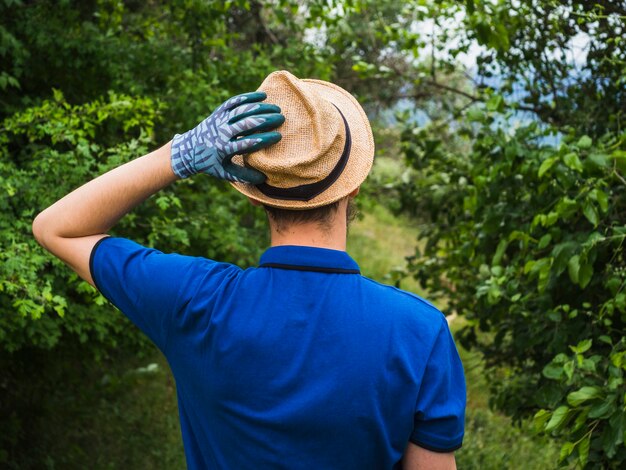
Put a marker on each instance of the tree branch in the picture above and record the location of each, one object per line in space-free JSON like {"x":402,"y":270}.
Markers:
{"x":475,"y":98}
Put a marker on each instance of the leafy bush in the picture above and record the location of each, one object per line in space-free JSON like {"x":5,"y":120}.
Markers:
{"x":526,"y":240}
{"x":44,"y":153}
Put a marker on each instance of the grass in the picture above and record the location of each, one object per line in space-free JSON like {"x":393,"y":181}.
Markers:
{"x":380,"y":243}
{"x":491,"y":440}
{"x":120,"y":413}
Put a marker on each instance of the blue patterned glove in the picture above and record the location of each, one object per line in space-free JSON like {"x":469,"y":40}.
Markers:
{"x":229,"y":131}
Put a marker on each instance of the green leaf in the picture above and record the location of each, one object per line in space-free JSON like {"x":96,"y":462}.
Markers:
{"x":540,"y":419}
{"x":603,"y":409}
{"x":555,"y":316}
{"x":529,"y":266}
{"x":561,"y":254}
{"x":544,"y":241}
{"x":601,"y":198}
{"x":497,"y":257}
{"x":546,"y":165}
{"x":605,"y":339}
{"x":544,"y":273}
{"x":584,"y":142}
{"x":588,"y":365}
{"x":475,"y":114}
{"x":572,"y":161}
{"x":566,"y":450}
{"x":57,"y":95}
{"x":585,"y":275}
{"x":591,"y":213}
{"x":573,"y":268}
{"x":582,"y":347}
{"x":495,"y":103}
{"x":618,"y":422}
{"x":496,"y":271}
{"x":583,"y":450}
{"x":493,"y":294}
{"x":598,"y":161}
{"x":613,"y":433}
{"x":558,"y":418}
{"x":619,"y":159}
{"x":553,"y":371}
{"x":584,"y":394}
{"x":580,"y":420}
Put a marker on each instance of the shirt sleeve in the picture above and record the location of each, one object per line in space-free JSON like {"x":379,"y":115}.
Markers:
{"x":148,"y":286}
{"x":440,"y":409}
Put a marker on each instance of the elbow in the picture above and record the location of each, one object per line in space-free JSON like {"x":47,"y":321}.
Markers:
{"x":39,"y":229}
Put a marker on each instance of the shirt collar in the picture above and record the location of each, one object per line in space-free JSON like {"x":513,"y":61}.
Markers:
{"x":309,"y":258}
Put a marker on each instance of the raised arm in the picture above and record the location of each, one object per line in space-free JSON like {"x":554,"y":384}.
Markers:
{"x":71,"y":227}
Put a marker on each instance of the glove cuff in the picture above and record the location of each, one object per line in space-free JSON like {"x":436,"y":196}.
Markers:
{"x":181,"y":158}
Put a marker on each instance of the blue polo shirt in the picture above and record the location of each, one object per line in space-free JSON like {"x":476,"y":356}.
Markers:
{"x":300,"y":363}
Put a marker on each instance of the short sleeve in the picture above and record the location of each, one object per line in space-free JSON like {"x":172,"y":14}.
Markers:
{"x":440,"y":409}
{"x":148,"y":286}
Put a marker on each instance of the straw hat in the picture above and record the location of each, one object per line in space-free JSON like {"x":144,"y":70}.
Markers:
{"x":326,"y":151}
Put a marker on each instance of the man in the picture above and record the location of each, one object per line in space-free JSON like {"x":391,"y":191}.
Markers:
{"x":301,"y":362}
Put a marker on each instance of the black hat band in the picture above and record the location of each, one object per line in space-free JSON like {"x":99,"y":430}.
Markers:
{"x":306,"y":192}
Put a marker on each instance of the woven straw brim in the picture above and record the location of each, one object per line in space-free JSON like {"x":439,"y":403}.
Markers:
{"x":359,"y":162}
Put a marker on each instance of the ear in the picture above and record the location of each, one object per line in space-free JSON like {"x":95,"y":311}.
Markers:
{"x":354,"y":193}
{"x":254,"y":202}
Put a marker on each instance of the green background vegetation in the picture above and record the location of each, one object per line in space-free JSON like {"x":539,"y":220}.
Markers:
{"x":511,"y":174}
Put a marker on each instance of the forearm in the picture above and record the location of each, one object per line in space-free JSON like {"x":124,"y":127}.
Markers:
{"x":418,"y":458}
{"x":99,"y":204}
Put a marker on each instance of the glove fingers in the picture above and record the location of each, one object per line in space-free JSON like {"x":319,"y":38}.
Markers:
{"x":245,"y":110}
{"x":242,"y":174}
{"x":257,"y":123}
{"x":252,"y":97}
{"x":247,"y":145}
{"x":252,"y":143}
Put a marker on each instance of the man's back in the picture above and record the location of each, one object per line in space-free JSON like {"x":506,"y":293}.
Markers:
{"x":300,"y":363}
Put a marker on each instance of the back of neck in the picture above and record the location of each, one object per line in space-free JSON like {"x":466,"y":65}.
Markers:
{"x":311,"y":234}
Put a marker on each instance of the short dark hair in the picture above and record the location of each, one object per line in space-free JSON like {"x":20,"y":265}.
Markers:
{"x":323,"y":216}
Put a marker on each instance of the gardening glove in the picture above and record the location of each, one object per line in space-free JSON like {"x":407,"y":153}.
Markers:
{"x":229,"y":131}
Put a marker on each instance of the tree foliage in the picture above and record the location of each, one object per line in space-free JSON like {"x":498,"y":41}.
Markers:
{"x":45,"y":151}
{"x":562,"y":59}
{"x":527,"y":243}
{"x":526,"y":218}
